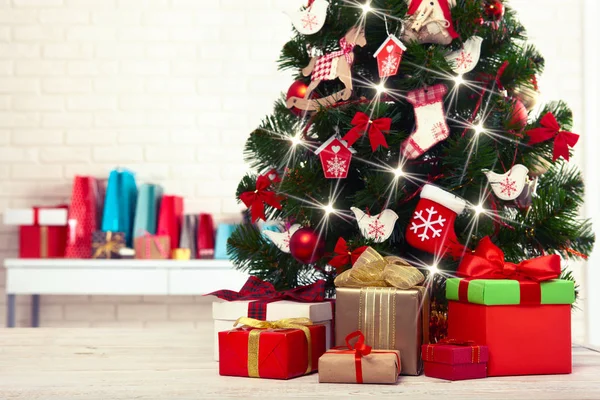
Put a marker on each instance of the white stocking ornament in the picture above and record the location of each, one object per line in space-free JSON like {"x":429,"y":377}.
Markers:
{"x":378,"y":227}
{"x":430,"y":119}
{"x":466,"y":59}
{"x":282,"y":239}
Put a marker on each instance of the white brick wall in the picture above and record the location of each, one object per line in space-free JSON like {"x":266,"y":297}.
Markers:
{"x":170,"y":88}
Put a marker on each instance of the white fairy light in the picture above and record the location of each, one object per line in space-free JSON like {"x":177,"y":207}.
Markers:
{"x":296,"y":140}
{"x":478,"y":129}
{"x":399,"y":172}
{"x":380,"y":89}
{"x":459,"y":80}
{"x":478,"y":209}
{"x":433,"y":269}
{"x":366,"y":7}
{"x":328,"y":209}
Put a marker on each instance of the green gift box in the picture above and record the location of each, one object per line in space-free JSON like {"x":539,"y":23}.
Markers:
{"x":494,"y":292}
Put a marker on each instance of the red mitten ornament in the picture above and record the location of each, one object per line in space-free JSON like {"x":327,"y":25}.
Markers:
{"x":431,"y":227}
{"x":430,"y":117}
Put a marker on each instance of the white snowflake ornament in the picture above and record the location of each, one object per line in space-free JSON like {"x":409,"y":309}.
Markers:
{"x":335,"y":158}
{"x":309,"y":20}
{"x":510,"y":185}
{"x":282,"y":239}
{"x":389,"y":55}
{"x":378,"y":227}
{"x":466,"y":59}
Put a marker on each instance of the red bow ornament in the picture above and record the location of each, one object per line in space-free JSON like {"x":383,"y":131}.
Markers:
{"x":256,"y":200}
{"x":550,"y":129}
{"x":375,"y":128}
{"x":343,"y":255}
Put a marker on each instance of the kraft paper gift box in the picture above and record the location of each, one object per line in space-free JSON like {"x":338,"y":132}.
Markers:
{"x":271,"y":349}
{"x":226,"y":313}
{"x":454,"y":360}
{"x":151,"y":247}
{"x":524,"y":321}
{"x":380,"y":297}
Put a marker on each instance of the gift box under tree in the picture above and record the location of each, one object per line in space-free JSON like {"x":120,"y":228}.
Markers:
{"x":520,"y":311}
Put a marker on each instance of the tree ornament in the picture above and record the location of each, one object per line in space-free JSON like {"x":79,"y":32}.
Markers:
{"x":527,"y":93}
{"x":519,"y":115}
{"x":335,"y":158}
{"x":374,"y":128}
{"x":389,"y":56}
{"x":298,"y":89}
{"x":430,"y":21}
{"x":493,"y":10}
{"x":525,"y":200}
{"x":310,"y":19}
{"x":550,"y":129}
{"x":466,"y":59}
{"x":431,"y":227}
{"x":430,"y":118}
{"x":329,"y":67}
{"x":343,"y":255}
{"x":510,"y":185}
{"x":378,"y":227}
{"x":307,"y":246}
{"x":282,"y":239}
{"x":256,"y":199}
{"x":272,"y":174}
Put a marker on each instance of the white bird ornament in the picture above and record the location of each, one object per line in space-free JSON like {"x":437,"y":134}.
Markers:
{"x":510,"y":185}
{"x":282,"y":239}
{"x":376,"y":227}
{"x":309,"y":20}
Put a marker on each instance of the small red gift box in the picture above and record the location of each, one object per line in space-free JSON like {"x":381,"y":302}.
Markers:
{"x":455,"y":361}
{"x":285,"y":349}
{"x":42,"y":231}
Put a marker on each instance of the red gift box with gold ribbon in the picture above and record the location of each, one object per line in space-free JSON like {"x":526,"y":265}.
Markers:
{"x":455,"y":360}
{"x":522,"y":312}
{"x":281,"y":349}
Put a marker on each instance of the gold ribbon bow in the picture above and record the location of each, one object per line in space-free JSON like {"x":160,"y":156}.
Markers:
{"x":373,"y":270}
{"x":253,"y":338}
{"x":112,"y":245}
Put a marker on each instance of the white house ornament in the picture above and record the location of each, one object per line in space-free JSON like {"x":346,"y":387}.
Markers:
{"x":310,"y":19}
{"x":465,"y":59}
{"x":429,"y":21}
{"x":389,"y":56}
{"x":510,"y":185}
{"x":335,"y":158}
{"x":282,"y":239}
{"x":378,"y":227}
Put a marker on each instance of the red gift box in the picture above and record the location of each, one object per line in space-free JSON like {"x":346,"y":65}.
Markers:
{"x":271,"y":353}
{"x":42,"y":241}
{"x":454,"y":360}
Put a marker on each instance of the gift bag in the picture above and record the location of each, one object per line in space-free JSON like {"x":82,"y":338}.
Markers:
{"x":169,"y":219}
{"x":83,"y":216}
{"x":146,"y":214}
{"x":119,"y":204}
{"x":224,"y":232}
{"x":188,"y":239}
{"x":206,"y":236}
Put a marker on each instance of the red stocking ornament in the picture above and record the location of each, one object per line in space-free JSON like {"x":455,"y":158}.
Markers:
{"x":431,"y":227}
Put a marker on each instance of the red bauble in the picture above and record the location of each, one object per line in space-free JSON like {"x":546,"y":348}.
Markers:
{"x":306,"y":246}
{"x":494,"y":10}
{"x":298,"y":89}
{"x":519,"y":117}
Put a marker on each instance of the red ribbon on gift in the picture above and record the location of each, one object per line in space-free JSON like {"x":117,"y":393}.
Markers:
{"x":264,"y":293}
{"x":375,"y":128}
{"x":256,"y":200}
{"x":487,"y":262}
{"x":550,"y":129}
{"x":475,"y":349}
{"x":343,"y":254}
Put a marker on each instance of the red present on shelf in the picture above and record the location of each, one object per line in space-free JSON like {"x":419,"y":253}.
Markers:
{"x":281,"y":349}
{"x":454,"y":360}
{"x":42,"y":231}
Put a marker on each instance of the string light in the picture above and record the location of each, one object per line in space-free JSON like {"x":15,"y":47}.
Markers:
{"x":296,"y":140}
{"x":328,"y":209}
{"x":433,"y":269}
{"x":366,"y":7}
{"x":459,"y":80}
{"x":380,"y":89}
{"x":478,"y":129}
{"x":399,"y":172}
{"x":478,"y":209}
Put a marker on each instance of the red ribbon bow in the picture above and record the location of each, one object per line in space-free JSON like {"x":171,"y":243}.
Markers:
{"x":256,"y":200}
{"x":360,"y":349}
{"x":375,"y":128}
{"x":551,"y":129}
{"x":343,"y":254}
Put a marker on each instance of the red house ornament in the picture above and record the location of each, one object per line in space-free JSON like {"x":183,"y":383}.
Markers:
{"x":335,"y":158}
{"x":389,"y":55}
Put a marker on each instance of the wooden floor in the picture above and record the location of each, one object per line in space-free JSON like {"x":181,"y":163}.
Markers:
{"x":108,"y":364}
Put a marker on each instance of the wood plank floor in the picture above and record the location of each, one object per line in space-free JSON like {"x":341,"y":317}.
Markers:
{"x":115,"y":364}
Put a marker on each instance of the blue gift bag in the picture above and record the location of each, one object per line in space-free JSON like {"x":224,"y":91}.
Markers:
{"x":224,"y":232}
{"x":146,"y":213}
{"x":119,"y":204}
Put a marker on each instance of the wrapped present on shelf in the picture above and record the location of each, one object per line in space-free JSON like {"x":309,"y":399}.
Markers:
{"x":189,"y":236}
{"x":258,"y":299}
{"x":152,"y":247}
{"x":107,"y":245}
{"x":522,"y":312}
{"x":170,"y":218}
{"x":455,"y":360}
{"x":146,"y":211}
{"x":380,"y":297}
{"x":83,"y":217}
{"x":42,"y":230}
{"x":359,"y":363}
{"x":120,"y":204}
{"x":281,"y":349}
{"x":181,"y":254}
{"x":224,"y":232}
{"x":206,"y":236}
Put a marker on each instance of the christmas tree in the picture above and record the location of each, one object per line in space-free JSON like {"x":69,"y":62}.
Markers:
{"x":412,"y":128}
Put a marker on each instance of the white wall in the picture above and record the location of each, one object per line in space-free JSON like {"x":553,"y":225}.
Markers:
{"x":170,"y":88}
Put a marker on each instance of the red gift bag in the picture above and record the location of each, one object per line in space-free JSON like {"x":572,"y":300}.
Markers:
{"x":206,"y":236}
{"x":169,"y":219}
{"x":83,"y":217}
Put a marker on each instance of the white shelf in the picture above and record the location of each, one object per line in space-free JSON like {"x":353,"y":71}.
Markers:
{"x":50,"y":263}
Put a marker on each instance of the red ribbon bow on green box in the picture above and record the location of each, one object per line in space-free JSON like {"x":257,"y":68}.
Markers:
{"x":256,"y":200}
{"x":487,"y":262}
{"x":375,"y":128}
{"x":551,"y":129}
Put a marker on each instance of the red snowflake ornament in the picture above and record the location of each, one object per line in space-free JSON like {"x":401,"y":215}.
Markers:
{"x":335,"y":158}
{"x":389,"y":56}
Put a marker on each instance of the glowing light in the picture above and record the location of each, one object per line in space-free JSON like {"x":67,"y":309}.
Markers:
{"x":296,"y":140}
{"x":366,"y":7}
{"x":478,"y":209}
{"x":329,"y":209}
{"x":399,"y":172}
{"x":478,"y":129}
{"x":459,"y":80}
{"x":433,"y":269}
{"x":380,"y":89}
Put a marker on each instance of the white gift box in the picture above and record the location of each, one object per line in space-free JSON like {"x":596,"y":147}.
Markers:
{"x":26,"y":217}
{"x":226,"y":313}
